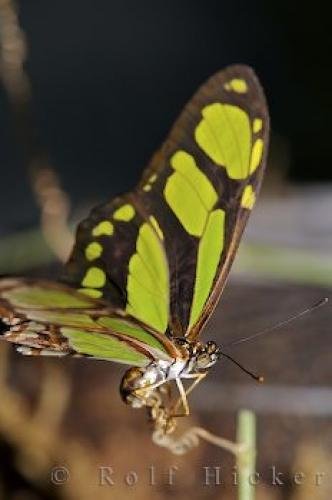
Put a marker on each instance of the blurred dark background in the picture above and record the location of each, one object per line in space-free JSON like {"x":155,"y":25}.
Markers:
{"x":109,"y":78}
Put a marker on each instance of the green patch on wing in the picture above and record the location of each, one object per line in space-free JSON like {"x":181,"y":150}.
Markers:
{"x":76,"y":320}
{"x":189,"y":193}
{"x":224,"y":135}
{"x":41,"y":297}
{"x":131,"y":330}
{"x":148,"y":281}
{"x":209,"y":254}
{"x":103,"y":346}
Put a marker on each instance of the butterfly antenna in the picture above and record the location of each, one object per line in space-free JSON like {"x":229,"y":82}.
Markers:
{"x":285,"y":322}
{"x":258,"y":378}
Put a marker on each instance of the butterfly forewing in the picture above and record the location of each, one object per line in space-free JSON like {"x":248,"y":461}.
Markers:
{"x":163,"y":252}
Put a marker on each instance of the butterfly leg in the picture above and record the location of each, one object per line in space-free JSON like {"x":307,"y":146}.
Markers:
{"x":198,"y":377}
{"x":149,"y":387}
{"x":184,"y":393}
{"x":182,"y":399}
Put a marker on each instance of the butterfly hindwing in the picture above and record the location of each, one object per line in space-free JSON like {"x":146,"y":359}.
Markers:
{"x":119,"y":256}
{"x":163,"y":252}
{"x":47,"y":318}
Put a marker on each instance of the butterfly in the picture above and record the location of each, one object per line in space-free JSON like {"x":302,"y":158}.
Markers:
{"x":148,"y":267}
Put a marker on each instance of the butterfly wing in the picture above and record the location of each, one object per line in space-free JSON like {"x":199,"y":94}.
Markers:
{"x":163,"y":252}
{"x":47,"y":318}
{"x":120,"y":256}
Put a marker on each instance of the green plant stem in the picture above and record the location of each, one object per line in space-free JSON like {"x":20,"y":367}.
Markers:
{"x":246,"y":457}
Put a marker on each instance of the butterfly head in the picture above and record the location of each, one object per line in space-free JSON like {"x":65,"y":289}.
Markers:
{"x":207,"y":355}
{"x":202,"y":356}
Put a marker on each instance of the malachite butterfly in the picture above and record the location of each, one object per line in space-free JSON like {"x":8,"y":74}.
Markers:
{"x":148,"y":267}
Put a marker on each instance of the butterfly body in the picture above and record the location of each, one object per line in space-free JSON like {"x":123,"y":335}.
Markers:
{"x":144,"y":387}
{"x":148,"y":267}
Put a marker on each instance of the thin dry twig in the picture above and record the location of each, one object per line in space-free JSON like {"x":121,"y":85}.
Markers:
{"x":51,"y":198}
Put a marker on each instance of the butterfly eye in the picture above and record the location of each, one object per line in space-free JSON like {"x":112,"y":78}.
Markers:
{"x":212,"y":347}
{"x":204,"y":361}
